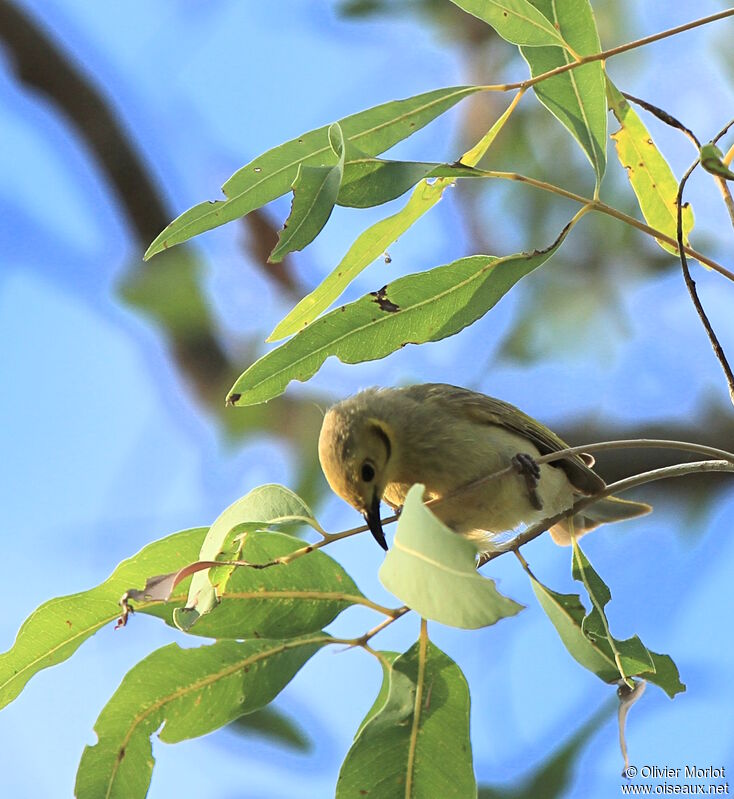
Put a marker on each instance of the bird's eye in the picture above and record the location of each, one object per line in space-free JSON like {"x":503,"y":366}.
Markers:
{"x":368,"y":472}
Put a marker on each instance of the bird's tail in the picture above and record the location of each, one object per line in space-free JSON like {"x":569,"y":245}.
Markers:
{"x":609,"y":509}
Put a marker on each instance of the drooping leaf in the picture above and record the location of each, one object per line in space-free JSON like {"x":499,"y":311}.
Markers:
{"x":576,"y":98}
{"x":278,"y":602}
{"x":417,"y":743}
{"x":190,"y":692}
{"x":427,"y":306}
{"x":54,"y":631}
{"x":712,"y":161}
{"x":315,"y":190}
{"x":588,"y":643}
{"x":273,"y":725}
{"x":516,"y":21}
{"x":433,"y":570}
{"x":271,"y":174}
{"x":649,"y":174}
{"x":262,"y":508}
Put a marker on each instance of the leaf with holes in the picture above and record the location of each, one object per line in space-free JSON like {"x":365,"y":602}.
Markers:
{"x":427,"y":306}
{"x":652,"y":180}
{"x":576,"y":98}
{"x":417,"y":743}
{"x":272,"y":174}
{"x":190,"y":692}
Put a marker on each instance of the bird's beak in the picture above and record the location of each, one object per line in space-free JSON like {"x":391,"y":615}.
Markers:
{"x":372,"y":517}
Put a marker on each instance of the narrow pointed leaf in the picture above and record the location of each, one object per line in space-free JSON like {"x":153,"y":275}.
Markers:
{"x":516,"y":21}
{"x":273,"y":725}
{"x":315,"y":190}
{"x":413,"y":749}
{"x":434,"y":571}
{"x":427,"y":306}
{"x":279,"y":602}
{"x":190,"y":692}
{"x":271,"y":174}
{"x":649,"y":174}
{"x":376,"y":239}
{"x":54,"y":631}
{"x":263,"y":507}
{"x":576,"y":98}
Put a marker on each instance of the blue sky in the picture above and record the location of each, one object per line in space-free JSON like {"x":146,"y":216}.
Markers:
{"x":105,"y":450}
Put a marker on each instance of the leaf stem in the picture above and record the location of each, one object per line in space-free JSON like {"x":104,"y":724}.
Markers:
{"x":417,"y":706}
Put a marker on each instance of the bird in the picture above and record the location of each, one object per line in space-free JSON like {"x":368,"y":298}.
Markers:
{"x":375,"y":445}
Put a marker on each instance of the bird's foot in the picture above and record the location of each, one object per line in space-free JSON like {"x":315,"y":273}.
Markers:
{"x":529,"y":469}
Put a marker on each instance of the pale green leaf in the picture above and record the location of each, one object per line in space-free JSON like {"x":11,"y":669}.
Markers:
{"x":712,"y":161}
{"x":652,"y":180}
{"x":576,"y":98}
{"x":433,"y":570}
{"x":427,"y":306}
{"x":279,"y":602}
{"x":190,"y":692}
{"x":54,"y":631}
{"x":517,"y":21}
{"x":263,"y":507}
{"x":419,"y":737}
{"x":271,"y":174}
{"x":376,"y":239}
{"x":315,"y":190}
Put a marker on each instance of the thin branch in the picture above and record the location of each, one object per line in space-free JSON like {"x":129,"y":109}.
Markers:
{"x":726,"y":160}
{"x":678,"y":470}
{"x":504,"y":87}
{"x":691,"y":286}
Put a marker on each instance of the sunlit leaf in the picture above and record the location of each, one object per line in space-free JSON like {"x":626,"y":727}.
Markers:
{"x":315,"y":190}
{"x":54,"y":631}
{"x":517,"y":21}
{"x":271,"y":174}
{"x":376,"y":239}
{"x":279,"y":602}
{"x":417,"y":743}
{"x":712,"y":161}
{"x":263,"y":507}
{"x":427,"y":306}
{"x":652,"y":180}
{"x":434,"y":571}
{"x":576,"y":98}
{"x":190,"y":692}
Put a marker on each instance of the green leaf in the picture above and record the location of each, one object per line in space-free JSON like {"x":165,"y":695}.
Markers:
{"x":576,"y":98}
{"x":652,"y":180}
{"x":712,"y":161}
{"x":427,"y":306}
{"x":54,"y":631}
{"x":278,"y":602}
{"x":272,"y":174}
{"x":315,"y":190}
{"x":264,"y":507}
{"x":376,"y":239}
{"x":274,"y":725}
{"x":190,"y":692}
{"x":588,"y":641}
{"x":417,"y":744}
{"x":434,"y":571}
{"x":387,"y":660}
{"x":516,"y":21}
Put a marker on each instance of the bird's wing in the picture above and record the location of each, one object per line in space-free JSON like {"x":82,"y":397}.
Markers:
{"x":488,"y":410}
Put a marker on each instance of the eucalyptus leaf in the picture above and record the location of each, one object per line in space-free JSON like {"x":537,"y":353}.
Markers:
{"x":264,"y":507}
{"x":652,"y":180}
{"x":427,"y":306}
{"x":55,"y":630}
{"x":189,"y":692}
{"x":434,"y":571}
{"x":272,"y":174}
{"x":376,"y":239}
{"x":278,"y":602}
{"x":417,"y":743}
{"x":517,"y":21}
{"x":576,"y":98}
{"x":273,"y":725}
{"x":315,"y":190}
{"x":712,"y":161}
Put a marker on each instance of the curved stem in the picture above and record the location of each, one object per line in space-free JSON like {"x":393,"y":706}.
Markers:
{"x":417,"y":707}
